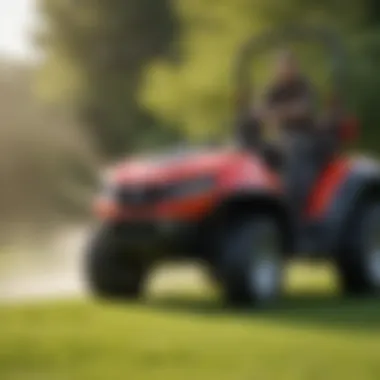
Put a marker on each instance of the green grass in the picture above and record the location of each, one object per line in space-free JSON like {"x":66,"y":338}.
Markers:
{"x":313,"y":336}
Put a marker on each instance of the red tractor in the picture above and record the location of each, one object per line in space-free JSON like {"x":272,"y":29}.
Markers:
{"x":227,"y":207}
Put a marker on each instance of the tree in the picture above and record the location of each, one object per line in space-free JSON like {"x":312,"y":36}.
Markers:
{"x":96,"y":52}
{"x":47,"y":163}
{"x":112,"y":61}
{"x":197,"y":95}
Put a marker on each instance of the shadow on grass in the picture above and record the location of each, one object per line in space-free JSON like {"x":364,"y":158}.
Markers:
{"x":322,"y":311}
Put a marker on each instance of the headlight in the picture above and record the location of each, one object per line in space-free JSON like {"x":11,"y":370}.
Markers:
{"x":107,"y":190}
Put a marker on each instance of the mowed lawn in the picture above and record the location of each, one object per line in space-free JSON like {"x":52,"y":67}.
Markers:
{"x":313,"y":335}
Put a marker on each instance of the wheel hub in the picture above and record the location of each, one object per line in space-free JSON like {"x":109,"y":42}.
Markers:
{"x":265,"y":262}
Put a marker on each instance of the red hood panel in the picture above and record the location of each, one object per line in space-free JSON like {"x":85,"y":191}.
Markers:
{"x":164,"y":168}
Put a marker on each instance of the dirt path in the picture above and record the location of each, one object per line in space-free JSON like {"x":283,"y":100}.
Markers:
{"x":56,"y":272}
{"x":52,"y":272}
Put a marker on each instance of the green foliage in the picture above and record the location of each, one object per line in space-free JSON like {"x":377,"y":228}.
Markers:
{"x":47,"y":162}
{"x":196,"y":95}
{"x":113,"y":62}
{"x":364,"y":91}
{"x":96,"y":51}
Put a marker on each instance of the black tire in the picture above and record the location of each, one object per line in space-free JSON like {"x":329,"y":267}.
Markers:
{"x":111,"y":272}
{"x":359,"y":258}
{"x":242,"y":257}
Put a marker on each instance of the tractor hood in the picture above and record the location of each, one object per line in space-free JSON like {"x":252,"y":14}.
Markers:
{"x":172,"y":165}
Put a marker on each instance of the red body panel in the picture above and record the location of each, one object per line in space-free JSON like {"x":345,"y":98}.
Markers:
{"x":153,"y":171}
{"x":233,"y":171}
{"x":185,"y":209}
{"x":326,"y":187}
{"x":250,"y":173}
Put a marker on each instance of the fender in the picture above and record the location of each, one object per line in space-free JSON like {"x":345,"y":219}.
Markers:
{"x":363,"y":177}
{"x":250,"y":201}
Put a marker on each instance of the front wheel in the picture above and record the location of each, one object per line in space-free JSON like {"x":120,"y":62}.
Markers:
{"x":250,"y":265}
{"x":111,"y":272}
{"x":359,"y":258}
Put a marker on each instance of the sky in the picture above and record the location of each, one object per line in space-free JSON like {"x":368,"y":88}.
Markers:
{"x":17,"y":18}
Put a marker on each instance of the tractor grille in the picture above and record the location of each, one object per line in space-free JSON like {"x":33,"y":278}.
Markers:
{"x":140,"y":196}
{"x":137,"y":230}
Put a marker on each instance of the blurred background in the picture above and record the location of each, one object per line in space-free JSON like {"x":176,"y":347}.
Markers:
{"x":86,"y":82}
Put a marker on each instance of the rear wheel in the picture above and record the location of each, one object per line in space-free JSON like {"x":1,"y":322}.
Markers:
{"x":359,"y":259}
{"x":250,"y":265}
{"x":111,"y":272}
